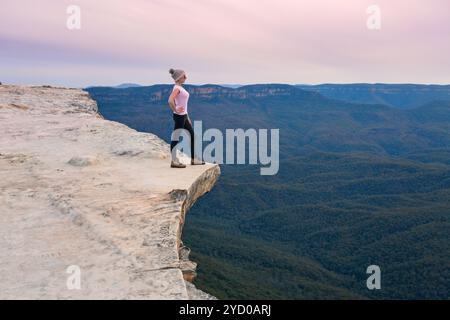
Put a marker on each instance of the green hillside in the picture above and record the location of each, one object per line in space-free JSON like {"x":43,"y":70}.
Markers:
{"x":359,"y":184}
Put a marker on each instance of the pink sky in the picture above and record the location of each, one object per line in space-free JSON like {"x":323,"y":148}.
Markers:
{"x":224,"y":41}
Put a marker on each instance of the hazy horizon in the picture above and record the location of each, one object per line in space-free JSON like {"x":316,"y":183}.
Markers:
{"x":222,"y":84}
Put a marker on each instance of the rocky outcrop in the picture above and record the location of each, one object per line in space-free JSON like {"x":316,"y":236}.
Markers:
{"x":82,"y":194}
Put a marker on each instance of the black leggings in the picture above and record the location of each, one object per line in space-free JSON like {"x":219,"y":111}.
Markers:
{"x":182,"y":122}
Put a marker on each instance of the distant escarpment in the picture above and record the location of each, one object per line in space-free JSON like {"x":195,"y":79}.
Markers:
{"x":208,"y":92}
{"x":401,"y":96}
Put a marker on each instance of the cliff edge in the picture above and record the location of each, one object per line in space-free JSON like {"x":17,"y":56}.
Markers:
{"x":89,"y":208}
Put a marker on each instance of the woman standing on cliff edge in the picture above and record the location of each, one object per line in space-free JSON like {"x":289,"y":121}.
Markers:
{"x":178,"y":102}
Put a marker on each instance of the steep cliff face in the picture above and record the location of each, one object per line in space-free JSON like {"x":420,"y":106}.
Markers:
{"x":77,"y":190}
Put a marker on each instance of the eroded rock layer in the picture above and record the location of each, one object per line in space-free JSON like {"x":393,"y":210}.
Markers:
{"x":77,"y":190}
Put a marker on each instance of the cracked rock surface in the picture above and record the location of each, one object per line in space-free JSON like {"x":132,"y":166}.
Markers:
{"x":78,"y":190}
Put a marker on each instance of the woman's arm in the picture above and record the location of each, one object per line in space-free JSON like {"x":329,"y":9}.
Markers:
{"x":172,"y":99}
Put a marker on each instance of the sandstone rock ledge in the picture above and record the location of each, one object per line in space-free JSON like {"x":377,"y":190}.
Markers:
{"x":76,"y":189}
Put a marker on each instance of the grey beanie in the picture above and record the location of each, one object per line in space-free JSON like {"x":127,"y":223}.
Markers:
{"x":176,"y":73}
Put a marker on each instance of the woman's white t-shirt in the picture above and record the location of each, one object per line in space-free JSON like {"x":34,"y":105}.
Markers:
{"x":181,"y":99}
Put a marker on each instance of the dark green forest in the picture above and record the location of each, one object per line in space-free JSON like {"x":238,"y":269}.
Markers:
{"x":359,"y":184}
